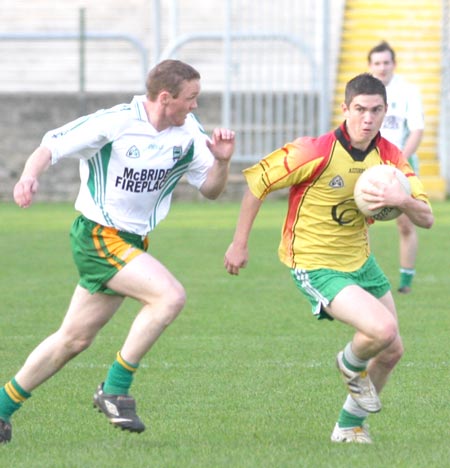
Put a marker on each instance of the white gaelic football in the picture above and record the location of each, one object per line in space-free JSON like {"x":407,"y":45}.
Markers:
{"x":383,"y":173}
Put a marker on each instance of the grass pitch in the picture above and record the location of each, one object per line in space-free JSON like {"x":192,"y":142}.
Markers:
{"x":245,"y":376}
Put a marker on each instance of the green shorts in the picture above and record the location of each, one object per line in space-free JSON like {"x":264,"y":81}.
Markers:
{"x":100,"y":252}
{"x":321,"y":286}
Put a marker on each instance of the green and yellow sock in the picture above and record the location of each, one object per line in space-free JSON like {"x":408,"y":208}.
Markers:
{"x":120,"y":377}
{"x":12,"y":395}
{"x":406,"y":277}
{"x":347,"y":419}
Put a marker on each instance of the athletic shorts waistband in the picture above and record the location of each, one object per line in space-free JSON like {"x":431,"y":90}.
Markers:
{"x":128,"y":236}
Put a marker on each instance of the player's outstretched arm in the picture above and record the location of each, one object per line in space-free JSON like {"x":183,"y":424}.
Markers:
{"x":221,"y":146}
{"x":236,"y":256}
{"x":28,"y":183}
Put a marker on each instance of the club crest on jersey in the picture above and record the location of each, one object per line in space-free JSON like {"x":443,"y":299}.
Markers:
{"x":133,"y":153}
{"x":177,"y":152}
{"x":336,"y":182}
{"x":391,"y":122}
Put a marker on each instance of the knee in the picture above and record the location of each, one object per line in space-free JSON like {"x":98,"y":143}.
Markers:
{"x":171,"y":303}
{"x":396,"y":353}
{"x":387,"y":332}
{"x":407,"y":232}
{"x":80,"y":344}
{"x":405,"y":227}
{"x":74,"y":344}
{"x":176,"y":300}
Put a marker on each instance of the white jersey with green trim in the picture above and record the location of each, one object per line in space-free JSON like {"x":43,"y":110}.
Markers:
{"x":404,"y":113}
{"x":128,"y":169}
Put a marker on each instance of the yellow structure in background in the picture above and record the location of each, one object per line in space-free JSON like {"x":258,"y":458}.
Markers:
{"x":413,"y":29}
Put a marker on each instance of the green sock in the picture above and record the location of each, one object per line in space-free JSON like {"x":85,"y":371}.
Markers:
{"x":352,"y":362}
{"x":12,"y":395}
{"x":120,"y":377}
{"x":406,"y":277}
{"x":347,"y":419}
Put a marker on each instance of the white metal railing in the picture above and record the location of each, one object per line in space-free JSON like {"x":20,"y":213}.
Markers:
{"x":269,"y":98}
{"x":444,"y":118}
{"x":81,"y":36}
{"x":267,"y":113}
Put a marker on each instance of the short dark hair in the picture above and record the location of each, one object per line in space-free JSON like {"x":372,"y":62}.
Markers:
{"x":383,"y":46}
{"x":364,"y":84}
{"x":168,"y":75}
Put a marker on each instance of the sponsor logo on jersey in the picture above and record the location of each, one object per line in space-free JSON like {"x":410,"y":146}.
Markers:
{"x":336,"y":182}
{"x":133,"y":152}
{"x":177,"y":152}
{"x":145,"y":180}
{"x":356,"y":170}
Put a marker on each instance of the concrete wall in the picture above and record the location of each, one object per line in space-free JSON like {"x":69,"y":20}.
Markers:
{"x":39,"y":78}
{"x":25,"y":118}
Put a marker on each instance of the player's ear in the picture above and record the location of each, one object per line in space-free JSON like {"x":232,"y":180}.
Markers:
{"x":164,"y":97}
{"x":344,"y":108}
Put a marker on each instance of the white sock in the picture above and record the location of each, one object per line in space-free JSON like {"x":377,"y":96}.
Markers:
{"x":353,"y":360}
{"x":351,"y":407}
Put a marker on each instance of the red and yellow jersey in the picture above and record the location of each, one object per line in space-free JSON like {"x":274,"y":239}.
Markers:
{"x":323,"y":227}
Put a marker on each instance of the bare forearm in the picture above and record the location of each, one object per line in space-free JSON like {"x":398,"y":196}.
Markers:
{"x":217,"y":179}
{"x":221,"y":146}
{"x":28,"y":184}
{"x":249,"y":209}
{"x":37,"y":163}
{"x":418,"y":212}
{"x":236,"y":256}
{"x":412,"y":143}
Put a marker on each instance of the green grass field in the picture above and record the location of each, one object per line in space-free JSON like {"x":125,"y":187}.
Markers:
{"x":245,"y":377}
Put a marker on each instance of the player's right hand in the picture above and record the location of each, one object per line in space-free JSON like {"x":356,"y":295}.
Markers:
{"x":24,"y":190}
{"x":235,"y":259}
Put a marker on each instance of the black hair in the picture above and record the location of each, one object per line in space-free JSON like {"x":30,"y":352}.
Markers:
{"x":364,"y":84}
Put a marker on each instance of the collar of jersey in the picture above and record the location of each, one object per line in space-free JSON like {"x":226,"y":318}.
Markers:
{"x":344,"y":139}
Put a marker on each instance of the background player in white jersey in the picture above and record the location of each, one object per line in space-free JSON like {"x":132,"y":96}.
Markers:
{"x":403,"y":126}
{"x":131,"y":157}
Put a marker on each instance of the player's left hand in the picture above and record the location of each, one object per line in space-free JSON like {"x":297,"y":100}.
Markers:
{"x":221,"y":144}
{"x":381,"y":194}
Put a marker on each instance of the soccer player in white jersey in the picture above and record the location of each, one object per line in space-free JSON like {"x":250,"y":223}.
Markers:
{"x":403,"y":126}
{"x":131,"y":158}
